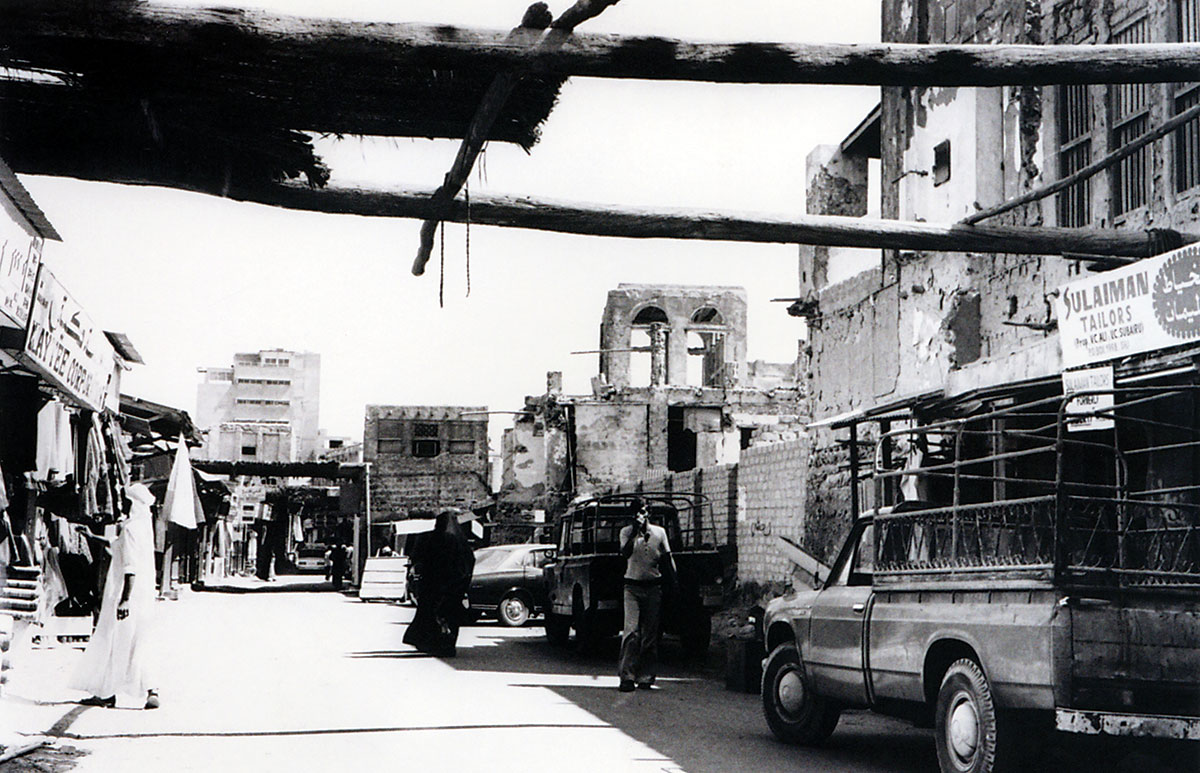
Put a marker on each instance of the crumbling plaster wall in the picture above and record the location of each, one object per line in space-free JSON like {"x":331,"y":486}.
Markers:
{"x":524,"y":455}
{"x":963,"y":319}
{"x":610,"y":444}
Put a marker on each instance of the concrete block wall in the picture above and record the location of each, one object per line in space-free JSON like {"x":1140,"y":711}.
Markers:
{"x":753,"y":502}
{"x":718,"y":483}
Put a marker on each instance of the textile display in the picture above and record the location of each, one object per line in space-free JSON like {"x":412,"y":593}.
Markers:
{"x":55,"y":445}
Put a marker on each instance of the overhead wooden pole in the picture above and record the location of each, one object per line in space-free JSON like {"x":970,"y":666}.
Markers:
{"x":65,"y":35}
{"x":537,"y":16}
{"x":834,"y":231}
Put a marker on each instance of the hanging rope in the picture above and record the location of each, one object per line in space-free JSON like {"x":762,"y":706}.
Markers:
{"x":442,"y":277}
{"x":467,"y":190}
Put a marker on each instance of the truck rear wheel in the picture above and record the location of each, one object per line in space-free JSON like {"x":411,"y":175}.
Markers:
{"x":794,"y":712}
{"x":965,"y":721}
{"x":558,"y":629}
{"x":696,"y":634}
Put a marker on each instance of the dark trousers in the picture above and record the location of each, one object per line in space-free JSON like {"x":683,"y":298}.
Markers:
{"x":639,"y":639}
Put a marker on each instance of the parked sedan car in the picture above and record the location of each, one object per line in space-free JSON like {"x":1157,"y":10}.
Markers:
{"x":311,"y":558}
{"x":508,"y":582}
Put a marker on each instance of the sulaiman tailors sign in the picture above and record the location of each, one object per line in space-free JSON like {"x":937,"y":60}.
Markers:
{"x":1147,"y":305}
{"x":65,"y":345}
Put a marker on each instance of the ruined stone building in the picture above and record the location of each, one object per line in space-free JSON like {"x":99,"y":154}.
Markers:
{"x":424,"y":458}
{"x":674,"y":392}
{"x":895,"y":332}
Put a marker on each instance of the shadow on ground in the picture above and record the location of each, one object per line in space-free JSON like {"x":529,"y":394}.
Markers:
{"x":704,"y":728}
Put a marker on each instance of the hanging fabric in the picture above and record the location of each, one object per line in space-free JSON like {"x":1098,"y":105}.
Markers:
{"x":55,"y":449}
{"x":93,"y":479}
{"x":181,"y":503}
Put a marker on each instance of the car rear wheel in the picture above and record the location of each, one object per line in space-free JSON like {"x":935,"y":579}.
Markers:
{"x":794,"y":712}
{"x":513,"y":611}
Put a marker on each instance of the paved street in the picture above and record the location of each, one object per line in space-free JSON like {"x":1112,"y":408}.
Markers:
{"x":320,"y":681}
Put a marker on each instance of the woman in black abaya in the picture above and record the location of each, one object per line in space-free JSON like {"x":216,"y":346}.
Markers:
{"x":444,"y":561}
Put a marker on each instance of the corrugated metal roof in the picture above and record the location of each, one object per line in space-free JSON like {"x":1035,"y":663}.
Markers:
{"x":24,"y":202}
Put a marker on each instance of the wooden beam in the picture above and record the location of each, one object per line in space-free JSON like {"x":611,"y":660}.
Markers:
{"x":1123,"y":152}
{"x":597,"y":220}
{"x":65,"y":36}
{"x":536,"y":17}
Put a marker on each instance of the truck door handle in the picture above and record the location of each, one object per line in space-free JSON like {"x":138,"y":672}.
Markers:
{"x":858,"y":608}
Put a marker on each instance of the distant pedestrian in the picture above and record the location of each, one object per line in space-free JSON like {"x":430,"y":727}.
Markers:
{"x":444,"y":562}
{"x":648,"y":564}
{"x":338,"y":559}
{"x":117,"y":658}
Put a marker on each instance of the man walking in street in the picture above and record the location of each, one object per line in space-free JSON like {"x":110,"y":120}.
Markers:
{"x":648,"y":563}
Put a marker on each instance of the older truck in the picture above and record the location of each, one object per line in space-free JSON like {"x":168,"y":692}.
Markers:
{"x":584,"y":583}
{"x":1022,"y":567}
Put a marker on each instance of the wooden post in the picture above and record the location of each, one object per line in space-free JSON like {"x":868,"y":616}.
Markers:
{"x":536,"y":17}
{"x":854,"y":503}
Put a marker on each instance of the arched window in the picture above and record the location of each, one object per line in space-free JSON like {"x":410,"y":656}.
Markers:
{"x":650,"y":315}
{"x":706,"y":348}
{"x":639,"y":341}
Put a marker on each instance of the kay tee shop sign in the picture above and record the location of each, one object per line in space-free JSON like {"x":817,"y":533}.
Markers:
{"x":1148,"y":305}
{"x":65,"y":345}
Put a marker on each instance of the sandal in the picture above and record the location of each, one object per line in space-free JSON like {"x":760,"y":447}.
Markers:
{"x":105,"y":703}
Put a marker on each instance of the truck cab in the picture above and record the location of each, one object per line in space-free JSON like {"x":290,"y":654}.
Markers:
{"x":585,"y":580}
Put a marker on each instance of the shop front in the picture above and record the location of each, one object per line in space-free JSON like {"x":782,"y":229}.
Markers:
{"x":63,"y":456}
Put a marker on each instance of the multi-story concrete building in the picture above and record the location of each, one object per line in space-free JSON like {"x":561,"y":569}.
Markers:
{"x":959,"y":326}
{"x":424,"y":458}
{"x":265,"y":407}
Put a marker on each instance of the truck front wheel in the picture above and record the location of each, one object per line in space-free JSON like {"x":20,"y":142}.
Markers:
{"x":965,"y":721}
{"x":793,"y":711}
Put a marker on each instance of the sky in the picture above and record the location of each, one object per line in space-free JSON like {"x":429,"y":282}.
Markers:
{"x":192,"y":279}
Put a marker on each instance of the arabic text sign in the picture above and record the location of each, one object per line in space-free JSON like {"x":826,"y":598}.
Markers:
{"x":1147,"y":305}
{"x":1082,"y":410}
{"x":20,"y":254}
{"x":65,"y":345}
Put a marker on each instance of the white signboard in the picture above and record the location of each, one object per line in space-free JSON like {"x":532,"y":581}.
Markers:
{"x":1082,"y":410}
{"x":1147,"y":305}
{"x":64,"y":344}
{"x":20,"y":255}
